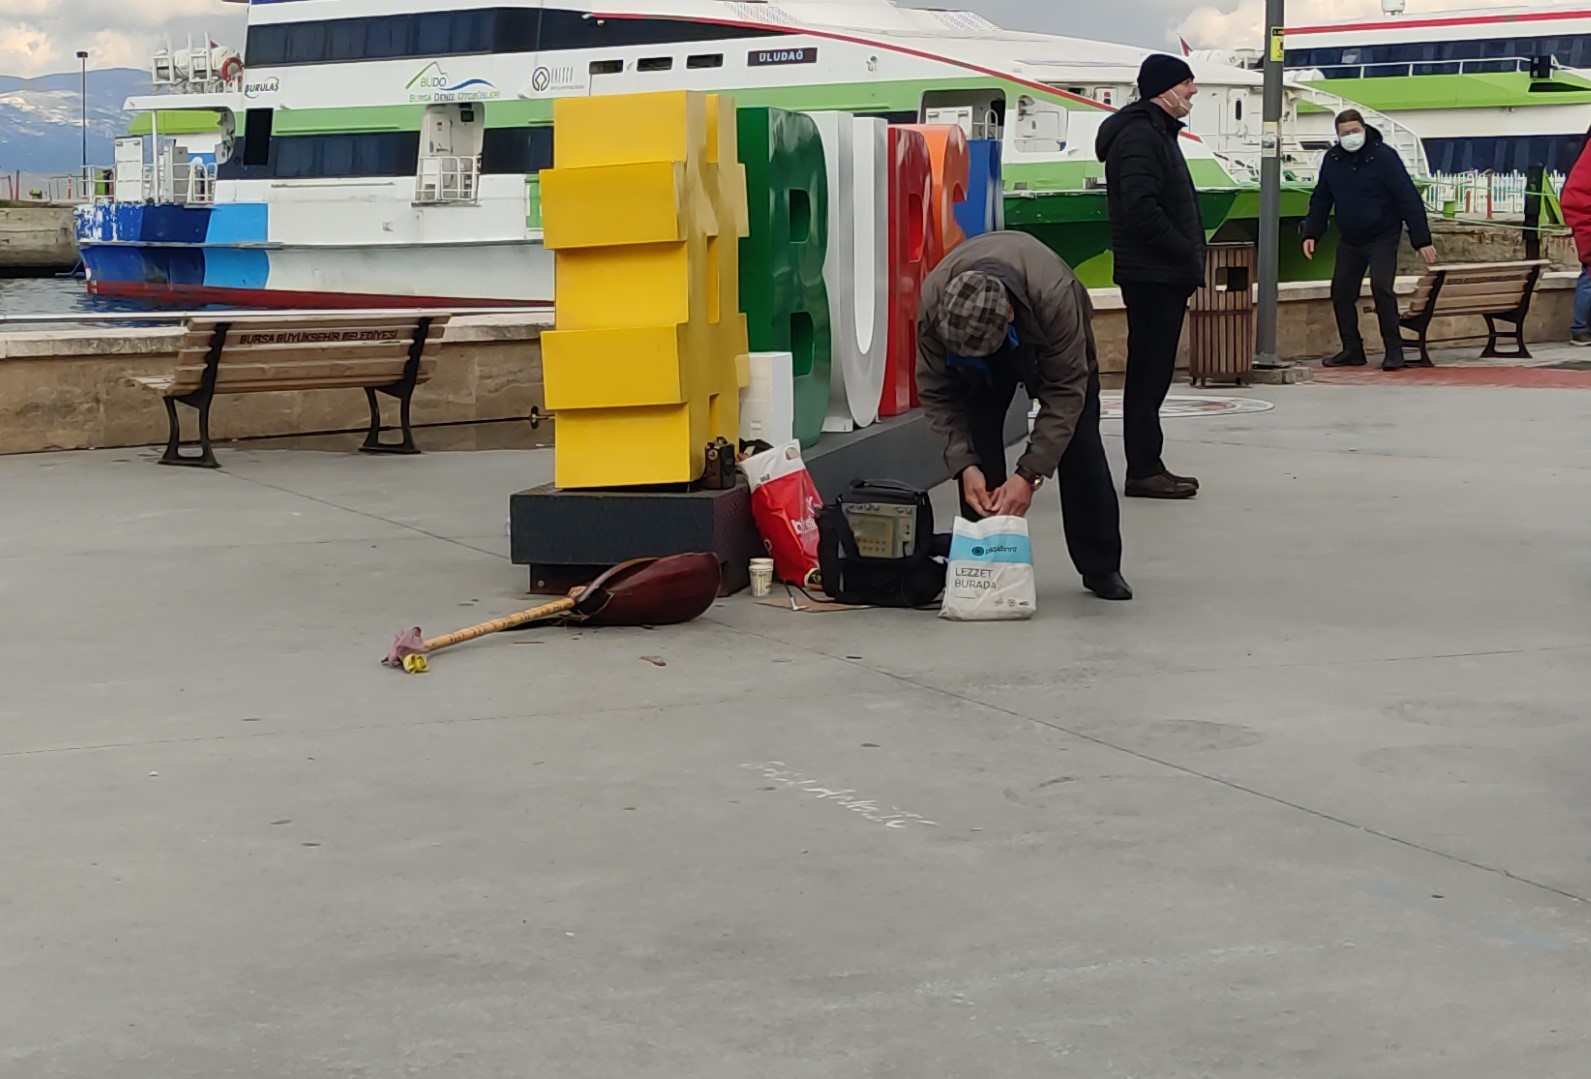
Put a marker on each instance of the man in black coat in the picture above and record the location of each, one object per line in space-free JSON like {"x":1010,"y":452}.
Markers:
{"x":1365,"y":180}
{"x":1157,"y":234}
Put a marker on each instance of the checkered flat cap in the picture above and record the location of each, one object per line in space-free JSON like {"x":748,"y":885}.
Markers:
{"x":974,"y":314}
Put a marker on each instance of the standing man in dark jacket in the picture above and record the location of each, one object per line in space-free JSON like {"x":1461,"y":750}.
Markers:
{"x":1000,"y":310}
{"x":1157,"y":233}
{"x":1365,"y":180}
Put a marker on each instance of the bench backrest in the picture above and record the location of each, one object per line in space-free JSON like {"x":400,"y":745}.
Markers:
{"x":306,"y":352}
{"x":1475,"y":288}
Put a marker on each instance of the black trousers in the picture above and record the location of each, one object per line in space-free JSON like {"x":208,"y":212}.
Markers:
{"x":1155,"y":314}
{"x":1089,"y":511}
{"x":1380,"y":258}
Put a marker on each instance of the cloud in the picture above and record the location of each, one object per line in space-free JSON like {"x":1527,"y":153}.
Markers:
{"x":42,"y":37}
{"x":1242,"y":26}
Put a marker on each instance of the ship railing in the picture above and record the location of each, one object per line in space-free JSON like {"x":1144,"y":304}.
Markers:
{"x":1483,"y":196}
{"x":193,"y":183}
{"x":1402,"y":68}
{"x":80,"y":186}
{"x":1300,"y":158}
{"x":448,"y":180}
{"x":1398,"y":135}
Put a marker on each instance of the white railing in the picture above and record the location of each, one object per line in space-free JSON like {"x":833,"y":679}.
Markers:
{"x":447,"y":180}
{"x":192,"y":183}
{"x":1398,"y":135}
{"x":1483,"y":195}
{"x":1404,"y":68}
{"x":64,"y":187}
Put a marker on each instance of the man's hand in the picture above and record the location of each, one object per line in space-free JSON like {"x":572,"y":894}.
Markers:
{"x":1013,"y":498}
{"x":1309,"y":250}
{"x":1428,"y":253}
{"x":975,"y":489}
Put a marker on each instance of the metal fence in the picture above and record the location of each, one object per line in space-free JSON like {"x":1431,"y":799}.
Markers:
{"x":1482,"y":195}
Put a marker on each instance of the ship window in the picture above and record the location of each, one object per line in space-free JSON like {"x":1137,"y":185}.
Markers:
{"x":516,"y":149}
{"x":257,"y":137}
{"x":430,"y":33}
{"x":384,"y":38}
{"x":308,"y":40}
{"x":1237,"y":109}
{"x":562,"y":29}
{"x":606,"y":67}
{"x":715,"y":59}
{"x":655,"y":63}
{"x":480,"y":30}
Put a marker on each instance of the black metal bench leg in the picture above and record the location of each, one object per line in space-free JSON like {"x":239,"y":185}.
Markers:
{"x":1519,"y":352}
{"x":205,"y":458}
{"x":1425,"y":346}
{"x":174,"y":439}
{"x":373,"y":443}
{"x":1491,"y":339}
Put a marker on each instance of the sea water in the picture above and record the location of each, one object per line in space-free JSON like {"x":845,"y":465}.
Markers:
{"x":64,"y":296}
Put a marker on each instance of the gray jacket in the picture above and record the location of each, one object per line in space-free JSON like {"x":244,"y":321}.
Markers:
{"x":1055,"y":357}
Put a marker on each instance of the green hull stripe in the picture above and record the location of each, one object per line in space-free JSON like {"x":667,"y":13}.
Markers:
{"x":1512,"y":89}
{"x":899,"y":96}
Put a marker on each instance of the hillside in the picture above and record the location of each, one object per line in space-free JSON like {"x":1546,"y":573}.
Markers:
{"x":40,"y":119}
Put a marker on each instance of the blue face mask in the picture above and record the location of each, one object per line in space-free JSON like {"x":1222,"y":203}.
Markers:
{"x":980,"y":364}
{"x":1354,"y":143}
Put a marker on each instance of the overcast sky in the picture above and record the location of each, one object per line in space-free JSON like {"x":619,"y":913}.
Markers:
{"x":41,"y":36}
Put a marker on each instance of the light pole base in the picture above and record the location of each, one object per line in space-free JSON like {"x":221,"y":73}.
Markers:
{"x":1279,"y":372}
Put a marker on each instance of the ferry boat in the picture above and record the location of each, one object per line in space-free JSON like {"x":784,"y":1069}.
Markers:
{"x":387,"y":151}
{"x":1489,"y":90}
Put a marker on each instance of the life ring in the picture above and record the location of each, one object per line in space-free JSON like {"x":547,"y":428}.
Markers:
{"x":232,"y":68}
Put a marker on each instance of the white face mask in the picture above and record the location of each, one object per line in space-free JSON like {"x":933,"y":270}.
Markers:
{"x":1354,"y":143}
{"x":1179,"y":106}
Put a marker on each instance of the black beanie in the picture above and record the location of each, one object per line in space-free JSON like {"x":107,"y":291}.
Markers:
{"x":1160,"y":73}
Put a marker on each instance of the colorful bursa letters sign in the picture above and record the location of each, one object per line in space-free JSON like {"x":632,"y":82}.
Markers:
{"x":910,"y":193}
{"x":645,"y":364}
{"x":856,"y":151}
{"x":951,"y":161}
{"x":782,"y":289}
{"x":984,"y":210}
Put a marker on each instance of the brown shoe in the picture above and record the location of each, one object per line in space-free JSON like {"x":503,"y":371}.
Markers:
{"x":1189,"y":480}
{"x":1164,"y":485}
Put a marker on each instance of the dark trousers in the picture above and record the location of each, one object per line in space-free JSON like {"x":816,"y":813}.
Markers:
{"x":1380,"y":258}
{"x":1155,"y":314}
{"x":1089,"y":512}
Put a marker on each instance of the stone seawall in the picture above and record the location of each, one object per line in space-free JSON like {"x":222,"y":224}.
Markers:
{"x":36,"y":239}
{"x":63,"y":389}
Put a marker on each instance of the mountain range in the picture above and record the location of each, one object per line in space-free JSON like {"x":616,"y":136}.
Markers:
{"x":41,"y":119}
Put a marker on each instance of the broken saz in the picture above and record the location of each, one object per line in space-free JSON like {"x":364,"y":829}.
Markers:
{"x":778,"y":772}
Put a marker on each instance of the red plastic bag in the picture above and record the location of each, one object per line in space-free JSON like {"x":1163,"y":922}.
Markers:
{"x":784,"y":504}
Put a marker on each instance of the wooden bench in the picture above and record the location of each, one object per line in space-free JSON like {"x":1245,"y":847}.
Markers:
{"x":387,"y":354}
{"x":1497,"y":291}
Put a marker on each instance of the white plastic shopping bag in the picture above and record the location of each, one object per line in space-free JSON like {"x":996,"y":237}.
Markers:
{"x":990,"y":577}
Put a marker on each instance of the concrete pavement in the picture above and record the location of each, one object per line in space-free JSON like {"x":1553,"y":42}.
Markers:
{"x":1312,"y":805}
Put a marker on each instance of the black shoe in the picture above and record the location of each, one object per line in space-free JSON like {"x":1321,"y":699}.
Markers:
{"x":1189,"y":480}
{"x":1580,"y":337}
{"x":1107,"y":585}
{"x":1393,"y":362}
{"x":1348,"y":357}
{"x":1164,"y":485}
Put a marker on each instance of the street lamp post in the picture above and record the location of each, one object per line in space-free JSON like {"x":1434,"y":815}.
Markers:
{"x":1270,"y":190}
{"x":82,"y":56}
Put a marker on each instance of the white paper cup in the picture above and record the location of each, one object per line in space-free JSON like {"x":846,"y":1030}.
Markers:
{"x":761,"y":577}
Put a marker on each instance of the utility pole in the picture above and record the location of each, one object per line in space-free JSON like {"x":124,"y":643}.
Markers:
{"x":1270,"y":190}
{"x":82,"y":57}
